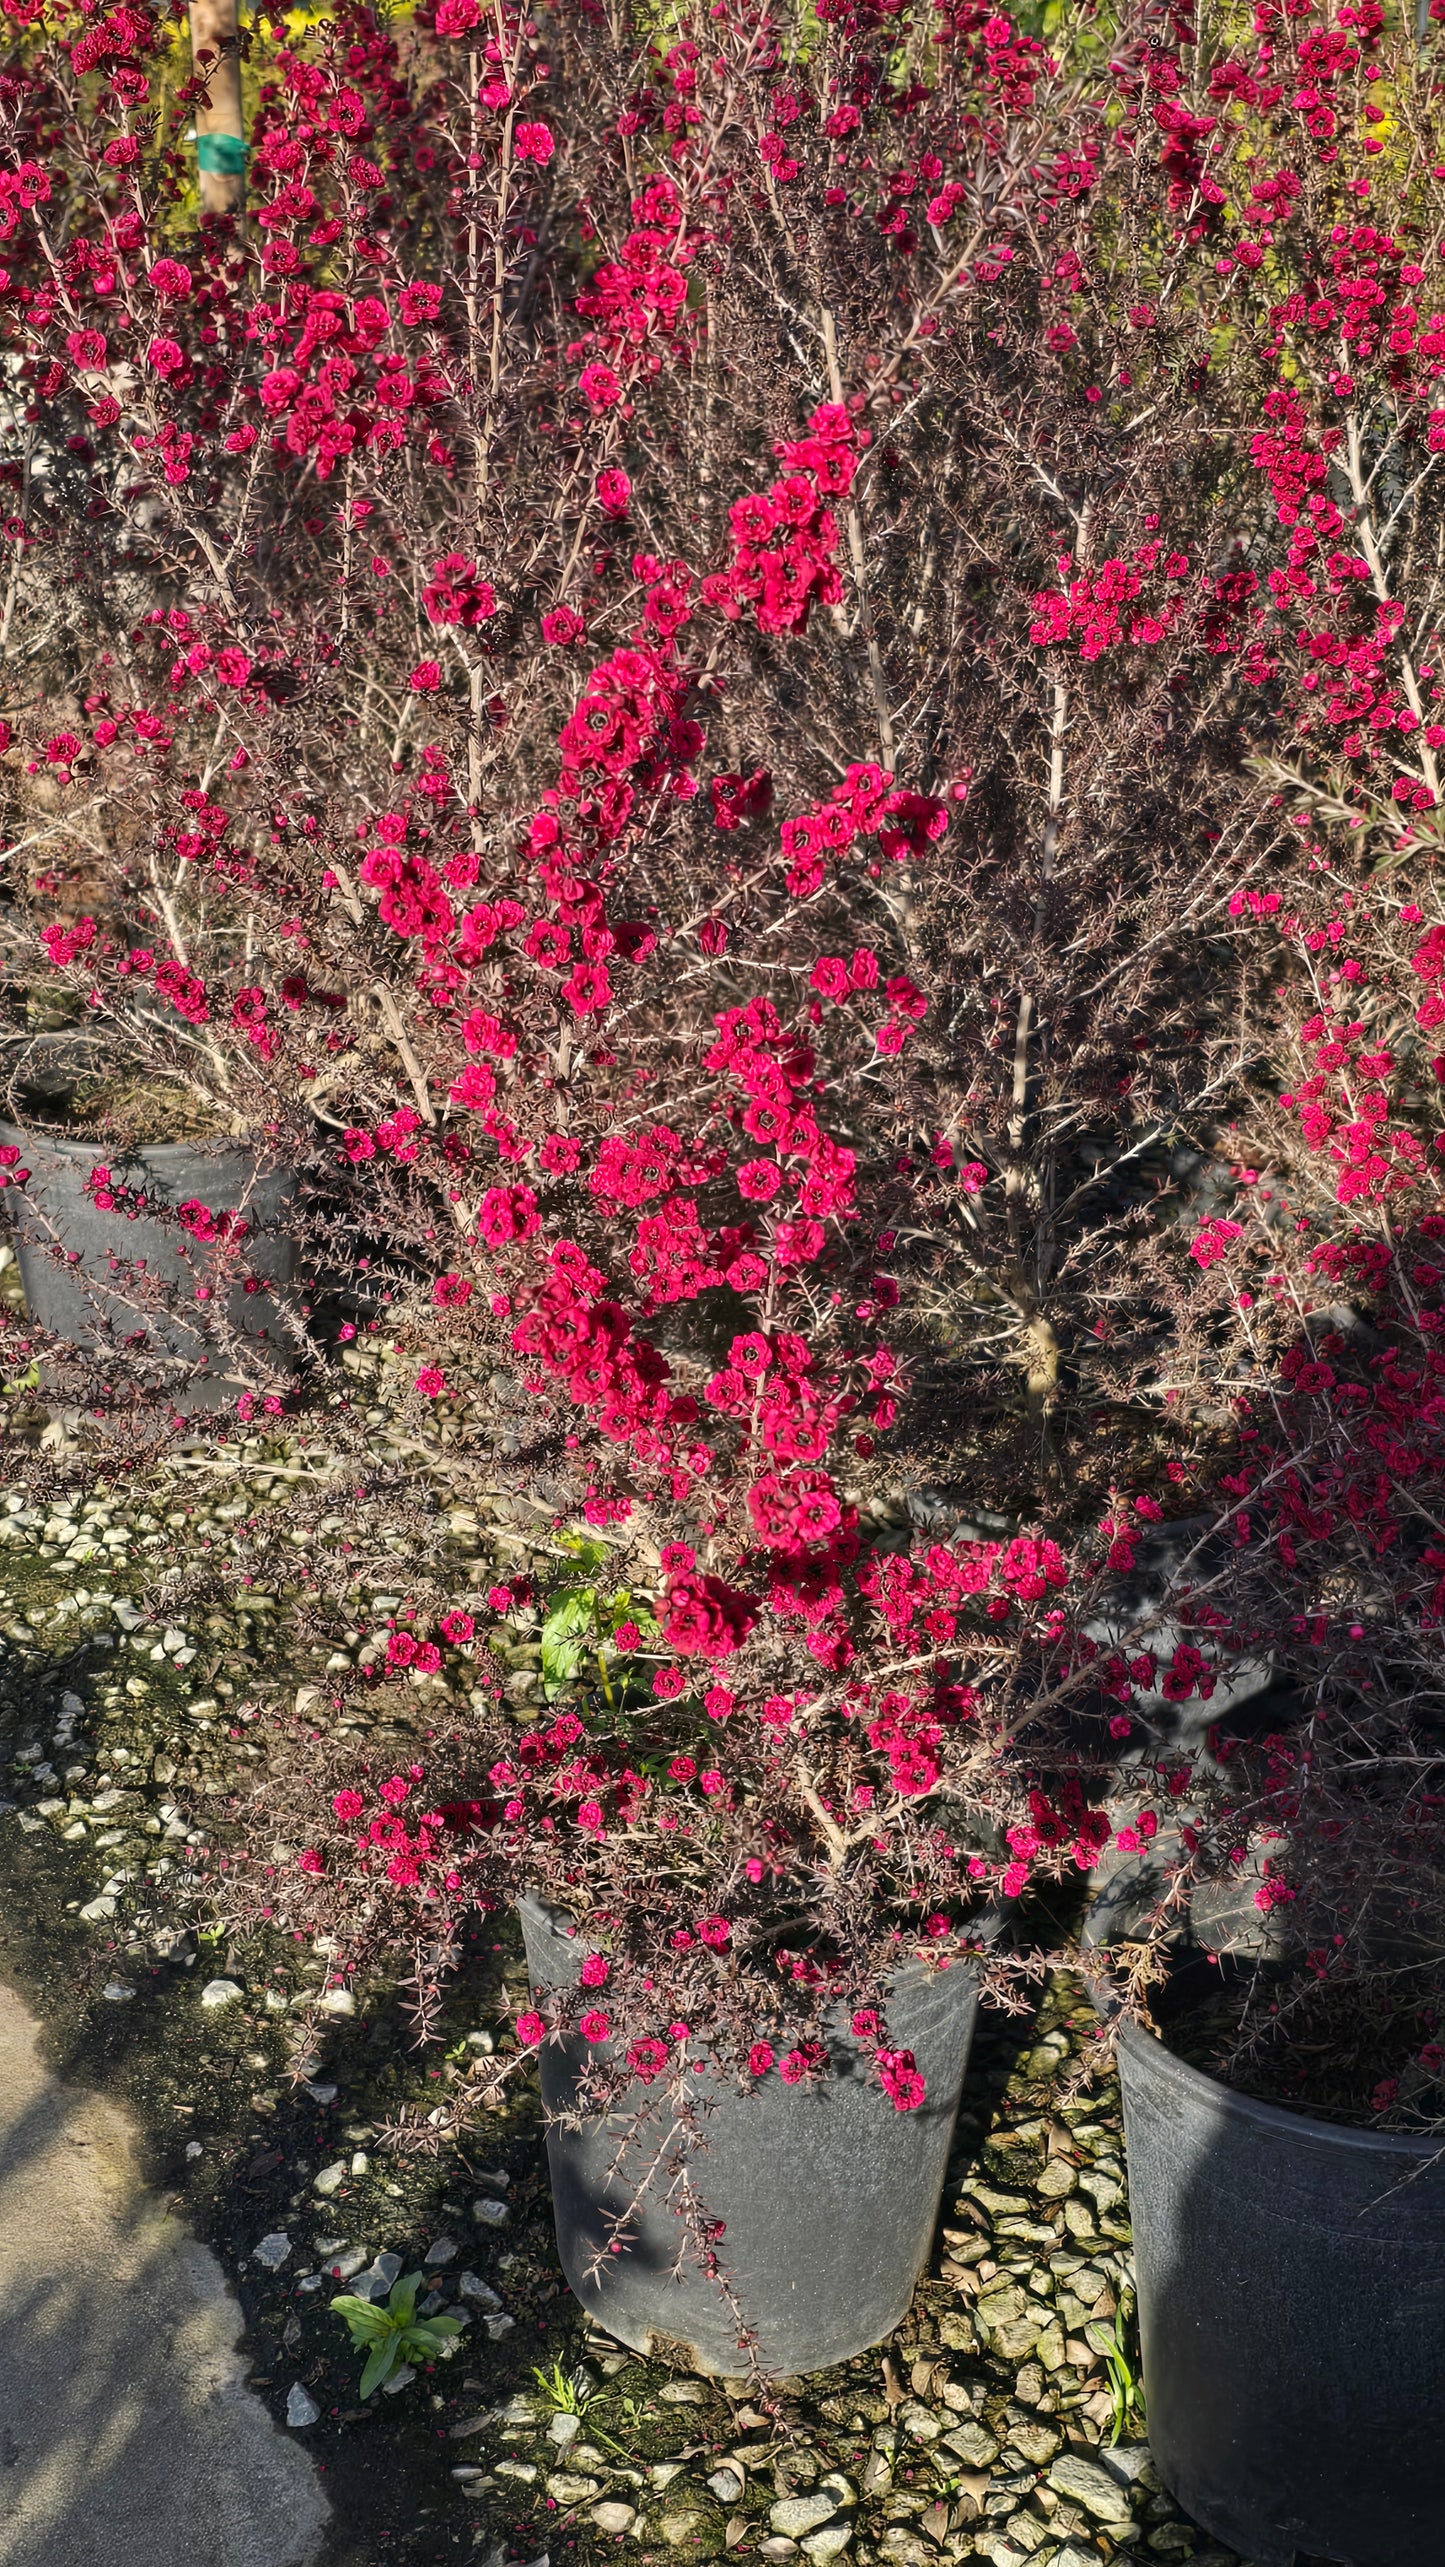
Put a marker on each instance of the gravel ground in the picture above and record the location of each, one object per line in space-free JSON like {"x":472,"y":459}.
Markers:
{"x":984,"y":2430}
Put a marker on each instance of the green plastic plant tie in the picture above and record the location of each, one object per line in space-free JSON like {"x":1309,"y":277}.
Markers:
{"x":224,"y":152}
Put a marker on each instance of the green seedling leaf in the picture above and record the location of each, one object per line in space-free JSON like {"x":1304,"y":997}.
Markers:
{"x":365,"y":2322}
{"x":401,"y":2298}
{"x":589,"y":1553}
{"x":380,"y":2363}
{"x":566,"y":1636}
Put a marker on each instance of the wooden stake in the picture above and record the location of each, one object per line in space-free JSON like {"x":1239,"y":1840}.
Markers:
{"x":220,"y":134}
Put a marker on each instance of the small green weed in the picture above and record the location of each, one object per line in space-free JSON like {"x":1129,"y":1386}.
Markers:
{"x":582,"y":1621}
{"x":1118,"y":2345}
{"x":393,"y":2334}
{"x":566,"y":2392}
{"x":570,"y":2393}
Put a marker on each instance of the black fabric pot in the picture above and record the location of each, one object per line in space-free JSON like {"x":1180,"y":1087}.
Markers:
{"x":1291,"y":2280}
{"x":829,"y":2196}
{"x":56,"y":1208}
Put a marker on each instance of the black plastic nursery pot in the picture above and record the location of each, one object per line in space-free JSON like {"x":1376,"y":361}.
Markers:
{"x":55,"y":1208}
{"x":1291,"y":2283}
{"x":827,"y":2194}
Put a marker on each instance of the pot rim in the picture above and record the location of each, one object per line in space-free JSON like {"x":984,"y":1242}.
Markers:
{"x":991,"y":1922}
{"x":1280,"y":2118}
{"x":40,"y":1142}
{"x":991,"y":1927}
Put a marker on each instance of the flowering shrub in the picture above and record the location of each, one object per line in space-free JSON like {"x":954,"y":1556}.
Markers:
{"x":685,"y":698}
{"x":1332,"y":1284}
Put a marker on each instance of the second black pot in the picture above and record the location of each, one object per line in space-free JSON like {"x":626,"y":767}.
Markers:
{"x":55,"y":1209}
{"x":1291,"y":2280}
{"x":829,"y":2196}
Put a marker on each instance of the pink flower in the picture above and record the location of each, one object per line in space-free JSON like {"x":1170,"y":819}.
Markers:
{"x":425,"y":678}
{"x":587,"y":988}
{"x":599,"y":386}
{"x":430,"y":1382}
{"x":507,"y":1212}
{"x":760,"y":2059}
{"x":1212,"y":1241}
{"x":310,"y":1861}
{"x":595,"y":1971}
{"x":701,"y":1617}
{"x":626,"y":1636}
{"x":456,"y":17}
{"x":901,"y":2080}
{"x":457,"y":594}
{"x":419,"y":303}
{"x":614,"y":492}
{"x":547,"y":945}
{"x":534,"y":142}
{"x":348,"y":1805}
{"x":647,"y":2059}
{"x":530,"y":2030}
{"x":805,"y":2061}
{"x":457,"y":1627}
{"x":594,"y":2026}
